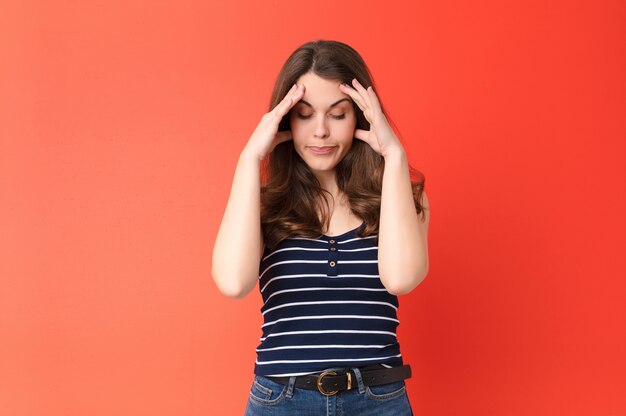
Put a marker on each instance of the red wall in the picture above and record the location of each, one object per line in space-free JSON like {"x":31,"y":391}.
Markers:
{"x":120,"y":127}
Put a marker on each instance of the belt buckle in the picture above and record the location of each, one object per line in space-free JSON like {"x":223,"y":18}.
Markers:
{"x":319,"y":383}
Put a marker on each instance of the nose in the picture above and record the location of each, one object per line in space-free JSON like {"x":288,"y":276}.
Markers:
{"x":321,"y":130}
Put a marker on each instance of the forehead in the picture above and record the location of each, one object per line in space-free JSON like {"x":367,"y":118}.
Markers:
{"x":321,"y":92}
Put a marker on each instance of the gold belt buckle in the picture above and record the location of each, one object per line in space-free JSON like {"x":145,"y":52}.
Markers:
{"x":319,"y":383}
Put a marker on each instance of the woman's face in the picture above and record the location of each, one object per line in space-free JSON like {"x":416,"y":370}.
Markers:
{"x":322,"y":123}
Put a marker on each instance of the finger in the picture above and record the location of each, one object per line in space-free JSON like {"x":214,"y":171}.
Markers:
{"x":354,"y":95}
{"x":288,"y":94}
{"x":368,"y":138}
{"x":290,"y":100}
{"x":283,"y":136}
{"x":361,"y":134}
{"x":286,"y":98}
{"x":373,"y":97}
{"x":362,"y":91}
{"x":368,"y":110}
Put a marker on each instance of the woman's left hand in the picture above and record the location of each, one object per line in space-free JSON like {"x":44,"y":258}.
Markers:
{"x":380,"y":135}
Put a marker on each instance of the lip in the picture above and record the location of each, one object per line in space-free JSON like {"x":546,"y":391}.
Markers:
{"x":322,"y":150}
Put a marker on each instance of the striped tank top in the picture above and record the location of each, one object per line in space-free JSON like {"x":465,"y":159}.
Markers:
{"x":324,"y":306}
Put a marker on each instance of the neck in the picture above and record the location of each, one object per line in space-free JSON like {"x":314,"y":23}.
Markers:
{"x":328,"y":181}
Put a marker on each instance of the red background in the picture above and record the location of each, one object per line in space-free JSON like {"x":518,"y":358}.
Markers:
{"x":120,"y":126}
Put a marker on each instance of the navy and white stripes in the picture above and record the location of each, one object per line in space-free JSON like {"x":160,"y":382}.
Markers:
{"x":325,"y":306}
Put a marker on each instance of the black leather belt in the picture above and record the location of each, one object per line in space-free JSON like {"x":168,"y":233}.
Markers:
{"x":329,"y":382}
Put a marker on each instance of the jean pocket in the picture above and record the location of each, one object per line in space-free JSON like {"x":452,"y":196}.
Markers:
{"x":386,"y":391}
{"x":267,"y":392}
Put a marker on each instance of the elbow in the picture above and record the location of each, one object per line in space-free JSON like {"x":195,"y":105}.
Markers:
{"x":403,"y":286}
{"x":233,"y":292}
{"x":230,"y":288}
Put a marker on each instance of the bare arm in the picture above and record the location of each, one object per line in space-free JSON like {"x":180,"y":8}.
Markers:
{"x":239,"y":243}
{"x":403,"y":235}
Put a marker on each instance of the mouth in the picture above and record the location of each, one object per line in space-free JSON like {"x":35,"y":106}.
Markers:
{"x":320,"y":150}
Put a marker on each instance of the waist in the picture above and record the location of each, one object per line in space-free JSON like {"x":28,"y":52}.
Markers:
{"x":334,"y":380}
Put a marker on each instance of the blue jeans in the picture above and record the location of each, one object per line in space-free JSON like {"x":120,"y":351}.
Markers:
{"x":268,"y":397}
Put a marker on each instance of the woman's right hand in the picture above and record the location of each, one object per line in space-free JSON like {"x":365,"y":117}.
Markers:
{"x":266,"y":135}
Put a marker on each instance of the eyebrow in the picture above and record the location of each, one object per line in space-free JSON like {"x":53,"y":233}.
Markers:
{"x":331,"y":106}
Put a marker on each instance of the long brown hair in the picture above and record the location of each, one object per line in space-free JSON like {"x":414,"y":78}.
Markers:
{"x":291,"y":194}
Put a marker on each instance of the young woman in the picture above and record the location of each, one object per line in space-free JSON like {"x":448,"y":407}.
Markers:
{"x":333,"y":231}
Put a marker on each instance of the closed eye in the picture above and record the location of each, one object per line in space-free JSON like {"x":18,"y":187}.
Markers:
{"x":336,"y":117}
